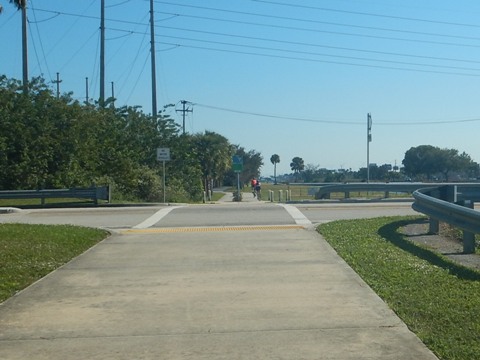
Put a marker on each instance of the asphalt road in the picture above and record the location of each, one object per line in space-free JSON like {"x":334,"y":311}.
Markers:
{"x":247,"y":213}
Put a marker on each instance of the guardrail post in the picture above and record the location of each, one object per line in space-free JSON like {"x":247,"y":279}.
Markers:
{"x":346,"y":195}
{"x":434,"y":226}
{"x":387,"y":194}
{"x":468,"y":237}
{"x":468,"y":242}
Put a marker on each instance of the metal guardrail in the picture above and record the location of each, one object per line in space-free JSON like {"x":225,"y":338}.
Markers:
{"x":452,"y":204}
{"x":324,"y":191}
{"x":91,"y":193}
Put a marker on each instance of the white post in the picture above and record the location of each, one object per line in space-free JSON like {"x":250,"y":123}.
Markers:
{"x":164,"y":187}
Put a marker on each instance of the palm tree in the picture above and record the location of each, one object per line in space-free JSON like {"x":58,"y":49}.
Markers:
{"x":297,"y":165}
{"x":275,"y":159}
{"x":19,"y":3}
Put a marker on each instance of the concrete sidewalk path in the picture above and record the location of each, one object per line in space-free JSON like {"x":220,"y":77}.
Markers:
{"x":247,"y":196}
{"x":271,"y":292}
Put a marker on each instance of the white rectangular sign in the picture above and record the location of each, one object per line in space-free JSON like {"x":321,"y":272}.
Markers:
{"x":163,"y":154}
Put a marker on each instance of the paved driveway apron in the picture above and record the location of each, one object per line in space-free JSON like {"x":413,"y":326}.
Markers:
{"x":254,"y":291}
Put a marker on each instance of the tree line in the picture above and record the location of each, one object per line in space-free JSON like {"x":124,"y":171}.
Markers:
{"x":421,"y":163}
{"x":50,"y":142}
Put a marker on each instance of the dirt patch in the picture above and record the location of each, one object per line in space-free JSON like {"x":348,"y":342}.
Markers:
{"x":445,"y":243}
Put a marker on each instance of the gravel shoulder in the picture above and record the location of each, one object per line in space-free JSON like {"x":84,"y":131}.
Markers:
{"x":443,"y":243}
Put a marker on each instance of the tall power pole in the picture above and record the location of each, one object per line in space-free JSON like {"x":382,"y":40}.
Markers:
{"x":23,"y":5}
{"x":101,"y":100}
{"x":58,"y":81}
{"x":86,"y":90}
{"x":184,"y":110}
{"x":113,"y":95}
{"x":152,"y":54}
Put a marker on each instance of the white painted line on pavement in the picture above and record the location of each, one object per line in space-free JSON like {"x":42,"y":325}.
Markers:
{"x":152,"y":220}
{"x":296,"y":214}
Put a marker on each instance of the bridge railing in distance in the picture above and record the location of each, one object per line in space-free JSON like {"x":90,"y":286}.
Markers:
{"x":325,"y":191}
{"x":452,"y":204}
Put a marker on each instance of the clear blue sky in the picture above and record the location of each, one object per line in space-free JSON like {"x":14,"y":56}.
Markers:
{"x":291,"y":77}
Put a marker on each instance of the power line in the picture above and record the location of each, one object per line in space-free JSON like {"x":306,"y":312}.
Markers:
{"x":309,"y":44}
{"x":325,"y":55}
{"x":358,"y":35}
{"x":336,"y":122}
{"x":261,"y":50}
{"x":176,"y":45}
{"x":299,"y":29}
{"x":368,"y":14}
{"x":287,"y":18}
{"x":323,"y":61}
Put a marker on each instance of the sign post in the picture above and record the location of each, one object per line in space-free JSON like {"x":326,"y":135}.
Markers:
{"x":237,"y":165}
{"x":163,"y":154}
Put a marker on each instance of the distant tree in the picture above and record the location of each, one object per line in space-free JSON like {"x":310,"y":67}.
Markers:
{"x":473,"y":170}
{"x":252,"y":163}
{"x":214,"y":153}
{"x":297,"y":165}
{"x":420,"y":160}
{"x":275,"y":159}
{"x":311,"y":173}
{"x":429,"y":160}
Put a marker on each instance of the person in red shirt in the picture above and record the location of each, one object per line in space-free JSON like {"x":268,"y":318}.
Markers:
{"x":253,"y":183}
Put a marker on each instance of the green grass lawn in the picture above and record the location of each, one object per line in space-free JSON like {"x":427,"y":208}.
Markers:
{"x":29,"y":252}
{"x":438,"y":300}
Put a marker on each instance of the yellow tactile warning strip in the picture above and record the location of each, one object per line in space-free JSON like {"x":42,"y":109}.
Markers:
{"x":211,"y":229}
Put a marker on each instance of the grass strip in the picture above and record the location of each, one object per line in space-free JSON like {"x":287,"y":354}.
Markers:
{"x":29,"y":252}
{"x":437,"y":299}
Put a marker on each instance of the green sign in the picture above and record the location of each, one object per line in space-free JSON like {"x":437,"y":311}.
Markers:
{"x":237,"y":163}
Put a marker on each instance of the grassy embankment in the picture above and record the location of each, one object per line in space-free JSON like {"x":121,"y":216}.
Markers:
{"x":437,"y":299}
{"x":29,"y":252}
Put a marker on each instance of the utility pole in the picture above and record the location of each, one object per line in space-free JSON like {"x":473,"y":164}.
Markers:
{"x":184,"y":111}
{"x":58,"y":81}
{"x":23,"y":5}
{"x":113,"y":95}
{"x":152,"y":60}
{"x":102,"y":54}
{"x":369,"y":140}
{"x":86,"y":90}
